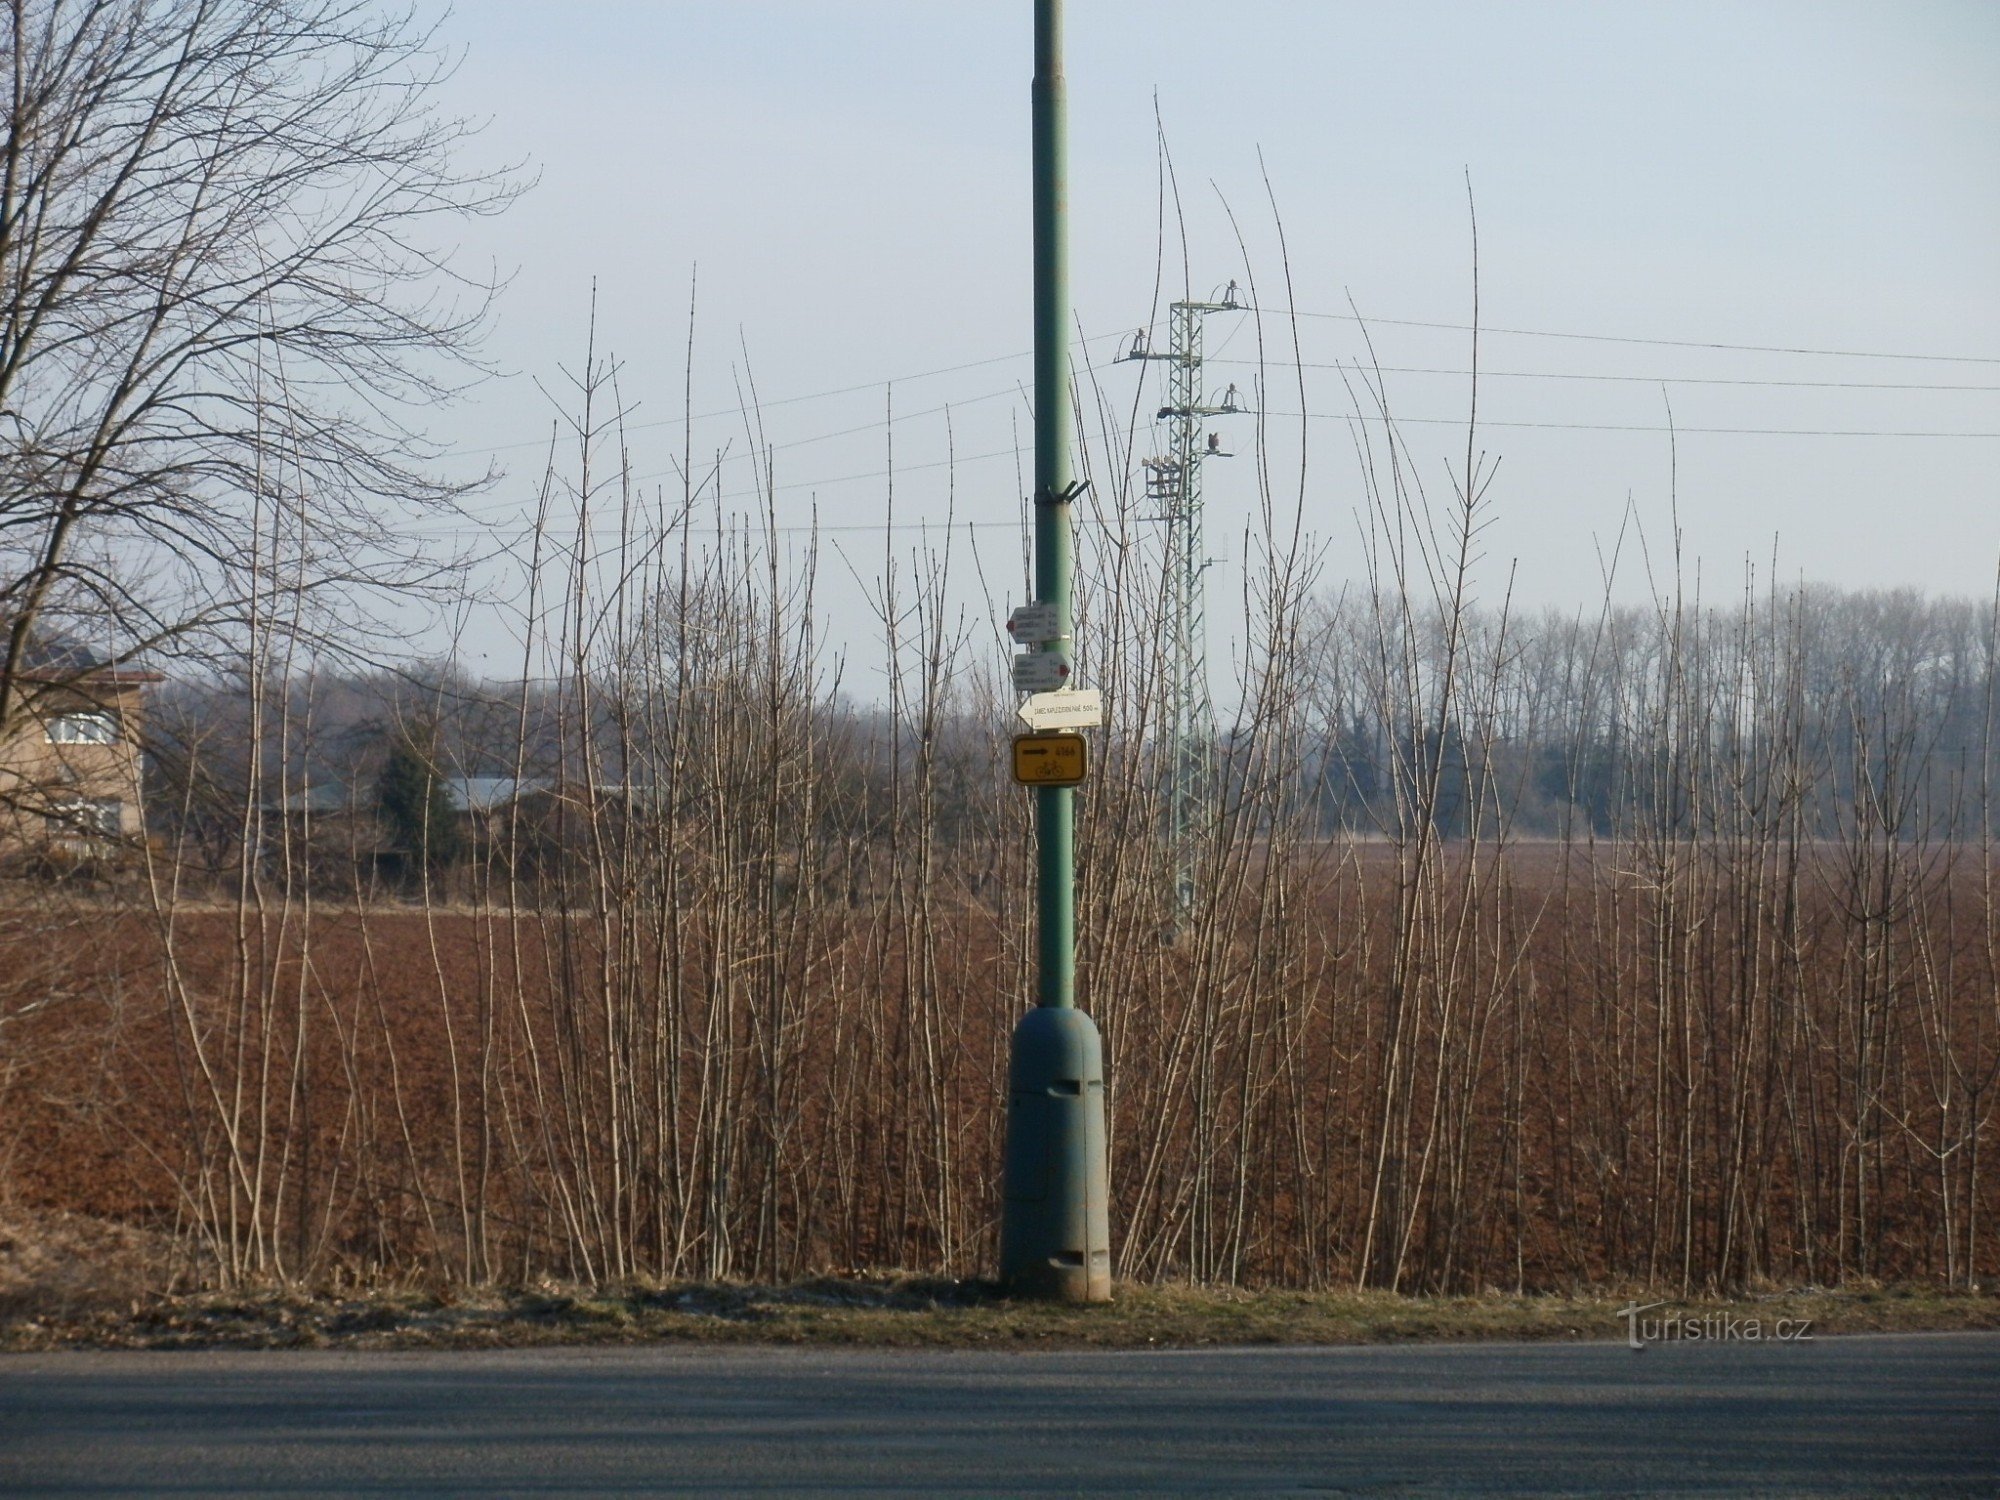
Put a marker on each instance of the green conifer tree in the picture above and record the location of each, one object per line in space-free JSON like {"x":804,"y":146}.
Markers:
{"x":415,"y":805}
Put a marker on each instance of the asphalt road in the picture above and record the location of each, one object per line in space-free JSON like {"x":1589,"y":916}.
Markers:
{"x":1899,"y":1415}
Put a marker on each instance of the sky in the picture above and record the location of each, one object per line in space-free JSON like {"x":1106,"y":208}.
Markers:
{"x":1775,"y":225}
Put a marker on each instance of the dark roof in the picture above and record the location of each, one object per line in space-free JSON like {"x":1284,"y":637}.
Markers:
{"x":319,"y":798}
{"x":45,"y":658}
{"x":58,"y":659}
{"x":476,"y":794}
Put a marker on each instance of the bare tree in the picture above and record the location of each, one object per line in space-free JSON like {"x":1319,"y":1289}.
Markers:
{"x":225,"y":276}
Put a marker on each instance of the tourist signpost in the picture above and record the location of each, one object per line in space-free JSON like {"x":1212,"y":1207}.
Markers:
{"x":1055,"y":1232}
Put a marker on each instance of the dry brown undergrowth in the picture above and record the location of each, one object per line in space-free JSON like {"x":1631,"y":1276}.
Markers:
{"x":62,"y":1265}
{"x":67,"y":1282}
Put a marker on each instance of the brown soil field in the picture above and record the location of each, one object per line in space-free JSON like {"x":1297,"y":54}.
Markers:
{"x":1582,"y":1068}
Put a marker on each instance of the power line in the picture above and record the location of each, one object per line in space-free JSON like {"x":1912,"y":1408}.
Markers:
{"x":740,"y":523}
{"x":1804,"y":385}
{"x":970,"y":401}
{"x":745,"y":408}
{"x":1613,"y":338}
{"x":1660,"y":428}
{"x":795,"y":484}
{"x":823,"y":437}
{"x":1655,"y":429}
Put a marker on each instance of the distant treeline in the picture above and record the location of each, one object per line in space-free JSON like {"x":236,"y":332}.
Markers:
{"x":1621,"y":721}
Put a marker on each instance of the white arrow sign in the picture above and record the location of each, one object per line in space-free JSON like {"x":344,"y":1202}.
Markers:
{"x":1033,"y":624}
{"x":1079,"y":708}
{"x":1040,"y":671}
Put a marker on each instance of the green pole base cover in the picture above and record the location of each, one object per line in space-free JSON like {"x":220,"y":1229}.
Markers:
{"x":1055,"y":1221}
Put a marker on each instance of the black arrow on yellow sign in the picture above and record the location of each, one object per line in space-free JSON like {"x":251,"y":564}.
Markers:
{"x":1050,"y":759}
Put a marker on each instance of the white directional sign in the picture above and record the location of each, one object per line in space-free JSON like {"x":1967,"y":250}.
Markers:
{"x":1078,"y":708}
{"x":1040,"y":671}
{"x":1032,"y":624}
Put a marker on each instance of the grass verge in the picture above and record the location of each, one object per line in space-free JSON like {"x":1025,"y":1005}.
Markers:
{"x":72,"y":1282}
{"x":891,"y":1311}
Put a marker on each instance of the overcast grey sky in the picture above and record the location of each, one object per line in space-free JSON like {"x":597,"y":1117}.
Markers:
{"x":851,"y":180}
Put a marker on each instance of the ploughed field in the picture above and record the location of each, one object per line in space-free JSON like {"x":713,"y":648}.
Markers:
{"x":1568,"y":1066}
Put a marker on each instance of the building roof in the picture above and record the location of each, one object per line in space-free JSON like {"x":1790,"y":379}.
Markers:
{"x":466,"y":794}
{"x":486,"y":793}
{"x":59,"y":659}
{"x":319,"y":798}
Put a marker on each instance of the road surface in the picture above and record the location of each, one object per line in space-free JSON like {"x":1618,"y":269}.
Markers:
{"x":1916,"y":1414}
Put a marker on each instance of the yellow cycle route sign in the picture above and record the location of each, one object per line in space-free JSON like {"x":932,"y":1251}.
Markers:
{"x":1050,"y":759}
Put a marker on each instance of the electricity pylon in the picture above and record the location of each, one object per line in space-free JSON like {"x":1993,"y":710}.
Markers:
{"x":1173,"y":487}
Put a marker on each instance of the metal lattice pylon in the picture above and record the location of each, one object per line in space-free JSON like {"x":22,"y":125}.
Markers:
{"x":1173,"y":488}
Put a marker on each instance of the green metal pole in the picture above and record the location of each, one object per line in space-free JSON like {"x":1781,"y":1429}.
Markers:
{"x":1055,"y":1237}
{"x":1054,"y":421}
